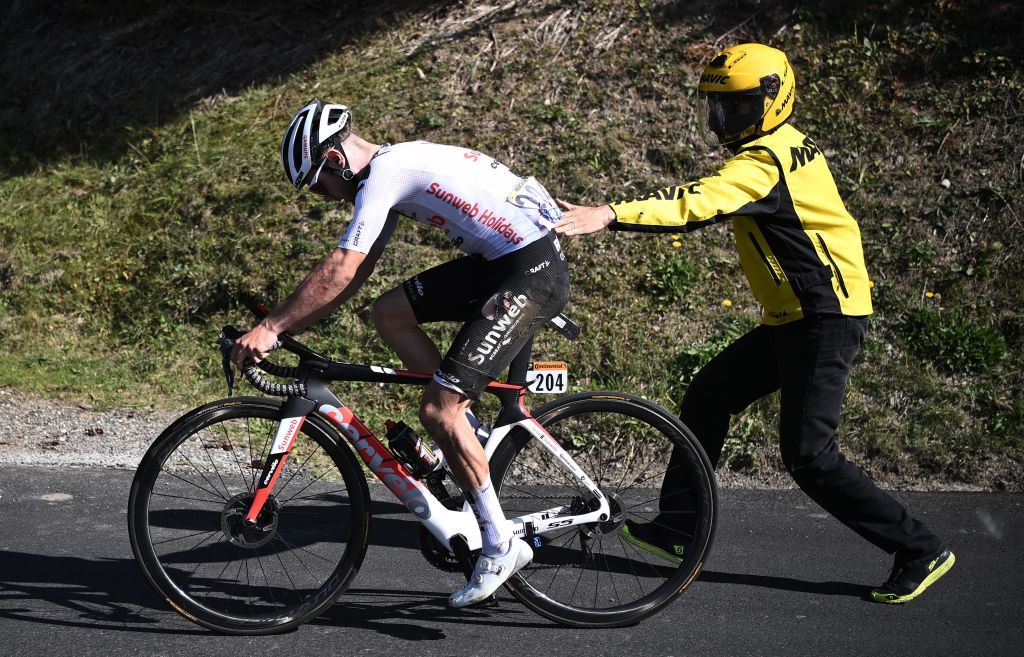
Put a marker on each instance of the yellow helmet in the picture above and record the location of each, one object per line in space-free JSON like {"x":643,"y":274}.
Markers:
{"x":747,"y":90}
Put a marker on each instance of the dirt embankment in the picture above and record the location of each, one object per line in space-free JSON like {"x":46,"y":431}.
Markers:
{"x":35,"y":431}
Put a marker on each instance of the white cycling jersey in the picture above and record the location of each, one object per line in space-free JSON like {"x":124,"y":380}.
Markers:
{"x":482,"y":206}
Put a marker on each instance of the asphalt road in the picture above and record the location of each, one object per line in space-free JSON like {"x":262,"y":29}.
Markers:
{"x":783,"y":579}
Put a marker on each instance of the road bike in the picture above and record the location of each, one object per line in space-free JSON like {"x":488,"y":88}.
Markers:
{"x":251,"y":515}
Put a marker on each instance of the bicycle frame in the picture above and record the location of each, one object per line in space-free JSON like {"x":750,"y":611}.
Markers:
{"x":443,"y":523}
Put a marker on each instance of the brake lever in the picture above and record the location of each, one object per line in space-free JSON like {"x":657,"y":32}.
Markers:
{"x":226,"y":345}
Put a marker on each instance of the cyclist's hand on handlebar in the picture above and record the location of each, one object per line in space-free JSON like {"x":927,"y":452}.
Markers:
{"x":255,"y":344}
{"x":582,"y":219}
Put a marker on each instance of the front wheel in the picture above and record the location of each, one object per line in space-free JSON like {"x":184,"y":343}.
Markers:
{"x":590,"y":575}
{"x":187,"y":505}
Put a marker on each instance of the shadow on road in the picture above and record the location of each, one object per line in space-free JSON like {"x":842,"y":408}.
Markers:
{"x":406,"y":614}
{"x":786,"y":584}
{"x":111,"y":594}
{"x":77,"y":592}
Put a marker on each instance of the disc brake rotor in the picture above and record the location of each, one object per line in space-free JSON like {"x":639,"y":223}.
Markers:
{"x":249,"y":535}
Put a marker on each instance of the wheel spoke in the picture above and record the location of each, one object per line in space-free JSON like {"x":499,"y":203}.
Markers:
{"x":298,"y":469}
{"x":192,"y":483}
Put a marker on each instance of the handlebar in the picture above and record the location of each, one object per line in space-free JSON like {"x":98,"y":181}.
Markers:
{"x":250,"y":368}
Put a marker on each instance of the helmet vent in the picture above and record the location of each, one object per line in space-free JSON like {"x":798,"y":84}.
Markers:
{"x":719,"y":61}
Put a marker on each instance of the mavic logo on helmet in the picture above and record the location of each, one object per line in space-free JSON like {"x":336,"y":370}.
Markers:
{"x":710,"y":78}
{"x":785,"y":101}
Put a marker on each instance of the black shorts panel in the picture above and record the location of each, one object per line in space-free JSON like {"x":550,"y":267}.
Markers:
{"x":501,"y":303}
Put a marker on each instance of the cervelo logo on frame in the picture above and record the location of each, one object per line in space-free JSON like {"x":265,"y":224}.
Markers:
{"x":388,"y":470}
{"x":270,"y":471}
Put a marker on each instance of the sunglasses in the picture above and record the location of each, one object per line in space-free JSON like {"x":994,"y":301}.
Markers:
{"x":318,"y":186}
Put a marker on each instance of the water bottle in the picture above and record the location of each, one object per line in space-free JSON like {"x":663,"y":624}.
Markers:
{"x":410,"y":449}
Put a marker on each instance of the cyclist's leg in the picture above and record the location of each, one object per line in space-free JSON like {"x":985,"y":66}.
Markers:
{"x":527,"y":288}
{"x":397,"y":326}
{"x":447,"y":292}
{"x":530,"y":286}
{"x":443,"y":415}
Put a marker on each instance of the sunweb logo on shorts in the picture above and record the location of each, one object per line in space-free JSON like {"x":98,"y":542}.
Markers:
{"x":500,"y":328}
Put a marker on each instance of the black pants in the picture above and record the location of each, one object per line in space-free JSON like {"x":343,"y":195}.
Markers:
{"x":809,"y":361}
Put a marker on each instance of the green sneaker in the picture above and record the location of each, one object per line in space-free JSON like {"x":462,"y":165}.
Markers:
{"x":647,"y":537}
{"x":907,"y":582}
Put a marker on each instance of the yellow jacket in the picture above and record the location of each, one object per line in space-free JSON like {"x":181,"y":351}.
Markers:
{"x":799,"y":247}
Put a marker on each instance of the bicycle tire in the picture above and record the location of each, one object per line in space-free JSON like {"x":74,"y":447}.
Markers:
{"x":190,"y":491}
{"x":588,"y":576}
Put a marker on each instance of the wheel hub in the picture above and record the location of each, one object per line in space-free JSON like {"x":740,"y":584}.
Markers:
{"x":245,"y":534}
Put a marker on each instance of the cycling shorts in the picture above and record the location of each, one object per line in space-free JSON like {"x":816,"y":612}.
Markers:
{"x":502,"y":302}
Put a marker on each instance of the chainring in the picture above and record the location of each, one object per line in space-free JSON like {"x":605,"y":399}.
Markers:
{"x":436,"y":554}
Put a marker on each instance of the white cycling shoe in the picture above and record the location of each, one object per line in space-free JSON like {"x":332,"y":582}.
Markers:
{"x":491,"y":572}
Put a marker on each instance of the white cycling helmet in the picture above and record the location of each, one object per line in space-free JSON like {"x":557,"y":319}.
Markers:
{"x":315,"y":128}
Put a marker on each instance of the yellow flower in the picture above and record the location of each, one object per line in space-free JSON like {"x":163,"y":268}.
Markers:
{"x":677,"y":244}
{"x":727,"y":303}
{"x":929,"y":294}
{"x":871,"y":283}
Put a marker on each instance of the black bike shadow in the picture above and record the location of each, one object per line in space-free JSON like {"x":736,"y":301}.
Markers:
{"x":108,"y":594}
{"x":112,"y":594}
{"x":407,"y":615}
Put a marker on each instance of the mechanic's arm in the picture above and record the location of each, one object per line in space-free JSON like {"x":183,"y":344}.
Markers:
{"x":582,"y":219}
{"x":746,"y":184}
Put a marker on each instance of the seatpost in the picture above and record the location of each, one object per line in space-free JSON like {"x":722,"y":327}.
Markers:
{"x":517,"y":369}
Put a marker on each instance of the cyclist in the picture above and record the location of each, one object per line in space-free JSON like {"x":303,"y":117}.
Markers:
{"x":801,"y":252}
{"x":512,"y":280}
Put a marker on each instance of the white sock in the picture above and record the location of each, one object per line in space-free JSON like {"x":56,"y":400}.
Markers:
{"x":493,"y":527}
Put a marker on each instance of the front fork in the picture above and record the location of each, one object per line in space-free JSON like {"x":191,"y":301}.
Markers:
{"x":293,"y":414}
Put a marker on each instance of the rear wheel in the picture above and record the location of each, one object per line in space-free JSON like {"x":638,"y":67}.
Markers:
{"x":589,"y":575}
{"x":189,"y":498}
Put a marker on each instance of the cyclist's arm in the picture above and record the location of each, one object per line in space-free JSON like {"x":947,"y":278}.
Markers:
{"x":331,"y":283}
